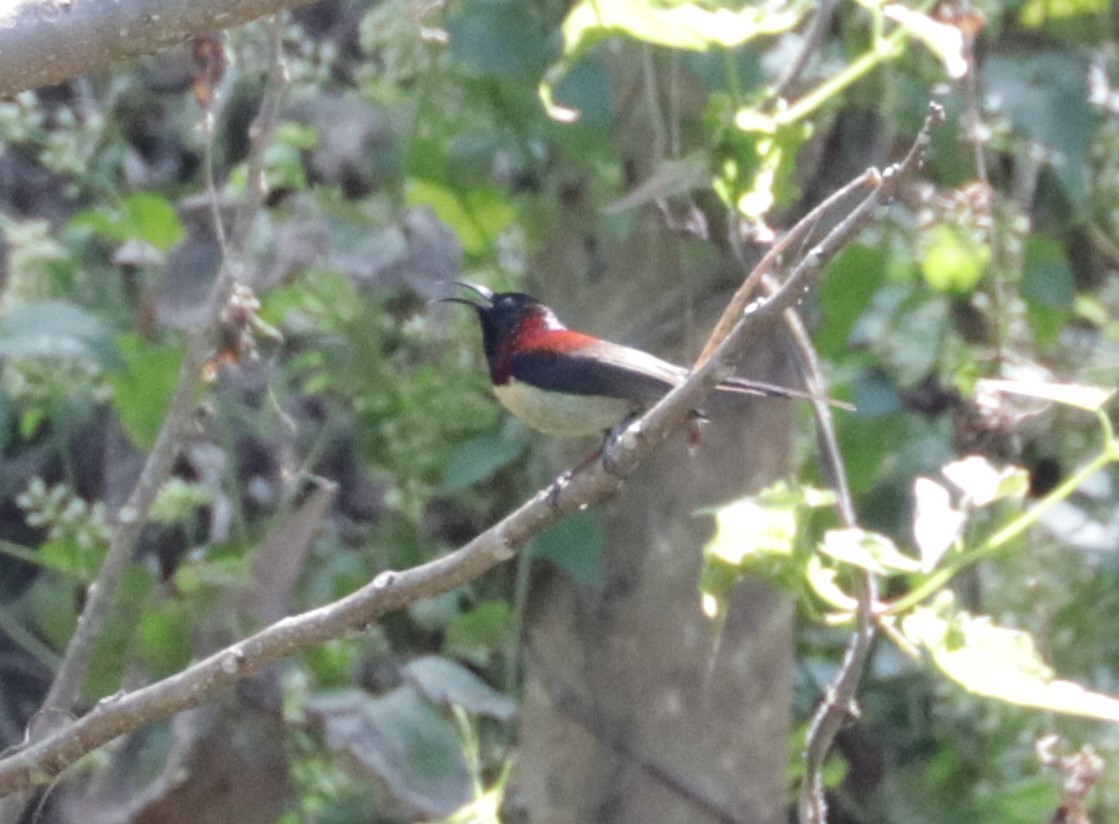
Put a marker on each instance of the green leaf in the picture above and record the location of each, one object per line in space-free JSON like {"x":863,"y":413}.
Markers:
{"x":676,"y":25}
{"x":53,"y":329}
{"x":756,"y":534}
{"x":983,"y":483}
{"x":998,"y":662}
{"x":1043,"y":95}
{"x":574,"y":546}
{"x":497,"y":38}
{"x":757,"y":526}
{"x":937,"y":524}
{"x":445,"y":682}
{"x":771,"y":182}
{"x":477,"y":215}
{"x":30,"y":421}
{"x":400,"y":740}
{"x":153,"y":219}
{"x":850,"y":284}
{"x":1047,"y":277}
{"x":142,"y":390}
{"x":52,"y":606}
{"x":66,"y":556}
{"x":1034,"y":14}
{"x":164,"y":635}
{"x":479,"y":460}
{"x":867,"y":550}
{"x":1078,"y":395}
{"x":478,"y":634}
{"x":1048,"y":285}
{"x":143,"y":216}
{"x":953,"y":260}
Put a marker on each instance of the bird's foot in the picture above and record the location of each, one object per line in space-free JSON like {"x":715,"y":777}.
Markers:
{"x":555,"y":489}
{"x":696,"y":420}
{"x":622,"y":438}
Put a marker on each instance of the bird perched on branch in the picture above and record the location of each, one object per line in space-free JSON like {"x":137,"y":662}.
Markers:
{"x":569,"y":383}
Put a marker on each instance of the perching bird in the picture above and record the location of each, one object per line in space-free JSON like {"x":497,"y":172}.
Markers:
{"x":570,"y":383}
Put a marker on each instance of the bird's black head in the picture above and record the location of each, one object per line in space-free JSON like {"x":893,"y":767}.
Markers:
{"x":500,"y":313}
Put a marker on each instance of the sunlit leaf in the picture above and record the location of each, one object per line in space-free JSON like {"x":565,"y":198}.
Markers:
{"x":694,"y":26}
{"x":477,"y":215}
{"x":677,"y":25}
{"x":944,"y":40}
{"x":1035,"y":14}
{"x":998,"y":662}
{"x":824,"y":581}
{"x":1081,"y":396}
{"x":937,"y":525}
{"x":867,"y":550}
{"x":760,"y":525}
{"x":757,"y":534}
{"x":982,"y":483}
{"x":953,"y":260}
{"x":142,"y":216}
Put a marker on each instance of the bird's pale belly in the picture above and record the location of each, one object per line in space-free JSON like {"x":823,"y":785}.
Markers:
{"x":559,"y":414}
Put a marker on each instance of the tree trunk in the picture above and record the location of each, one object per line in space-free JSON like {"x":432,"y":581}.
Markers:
{"x":633,"y":711}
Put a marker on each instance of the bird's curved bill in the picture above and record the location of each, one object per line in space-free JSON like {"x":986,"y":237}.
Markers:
{"x":480,"y":291}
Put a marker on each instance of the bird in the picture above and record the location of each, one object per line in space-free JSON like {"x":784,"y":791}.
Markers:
{"x":568,"y":383}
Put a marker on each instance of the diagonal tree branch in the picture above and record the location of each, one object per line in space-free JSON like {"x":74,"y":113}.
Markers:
{"x":38,"y":762}
{"x":49,"y":41}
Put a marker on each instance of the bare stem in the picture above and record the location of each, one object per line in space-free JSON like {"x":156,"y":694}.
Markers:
{"x":66,"y":688}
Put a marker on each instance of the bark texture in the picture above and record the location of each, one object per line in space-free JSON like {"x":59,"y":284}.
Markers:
{"x":48,"y":41}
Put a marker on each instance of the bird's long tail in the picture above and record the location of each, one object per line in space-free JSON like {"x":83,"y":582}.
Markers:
{"x":746,"y":386}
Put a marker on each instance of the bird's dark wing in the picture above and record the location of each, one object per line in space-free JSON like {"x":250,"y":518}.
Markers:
{"x":600,"y":368}
{"x":615,"y":371}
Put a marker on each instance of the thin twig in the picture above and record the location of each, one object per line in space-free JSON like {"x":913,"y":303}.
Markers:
{"x":834,"y":709}
{"x":838,"y":705}
{"x":813,"y":373}
{"x":131,"y":518}
{"x":129,"y":522}
{"x":114,"y":716}
{"x":839,"y":699}
{"x":795,"y":235}
{"x":813,"y":40}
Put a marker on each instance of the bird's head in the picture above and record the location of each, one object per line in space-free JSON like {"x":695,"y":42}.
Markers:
{"x":502,"y":314}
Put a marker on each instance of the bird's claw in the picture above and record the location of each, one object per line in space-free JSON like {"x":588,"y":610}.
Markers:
{"x":555,"y":489}
{"x":622,"y":437}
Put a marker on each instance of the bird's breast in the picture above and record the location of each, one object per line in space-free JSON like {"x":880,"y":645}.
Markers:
{"x":559,"y":413}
